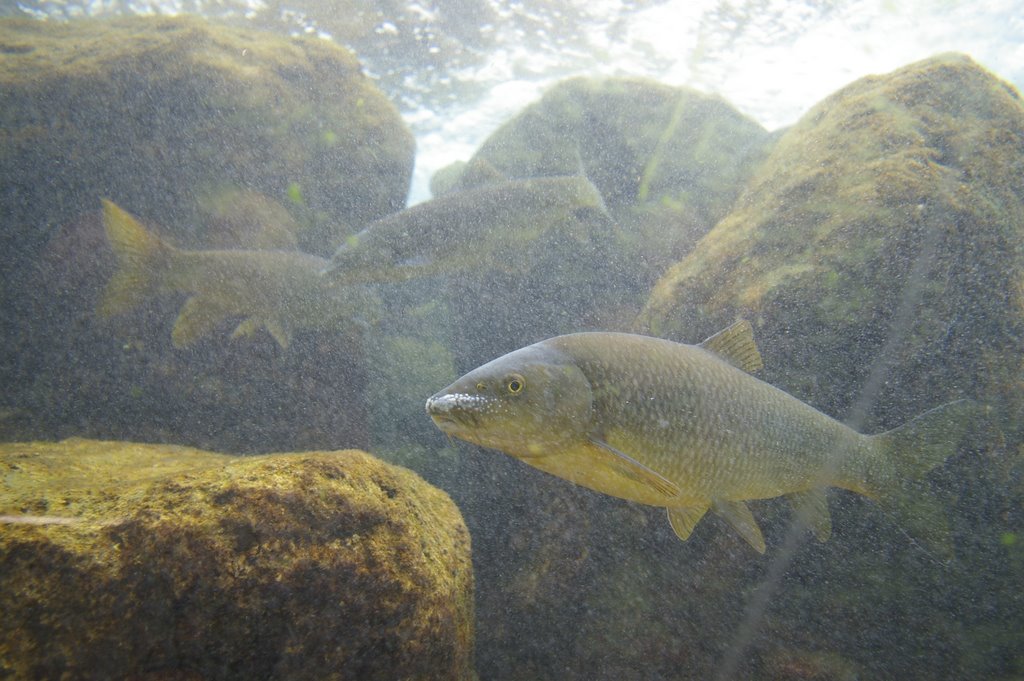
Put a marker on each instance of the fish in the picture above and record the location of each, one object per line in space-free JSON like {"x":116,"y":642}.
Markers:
{"x":467,"y":229}
{"x":279,"y":291}
{"x":684,"y":427}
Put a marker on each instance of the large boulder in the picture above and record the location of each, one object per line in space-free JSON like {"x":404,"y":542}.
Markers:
{"x":124,"y":560}
{"x":216,"y":137}
{"x":668,"y":161}
{"x":159,"y":113}
{"x":881,"y":239}
{"x":878,"y":251}
{"x":637,"y":140}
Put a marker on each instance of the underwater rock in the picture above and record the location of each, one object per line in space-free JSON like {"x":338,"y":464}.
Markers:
{"x":196,"y":127}
{"x":806,"y":665}
{"x":637,"y":140}
{"x":884,"y":228}
{"x":878,"y":240}
{"x":155,"y":112}
{"x":121,"y":560}
{"x":877,"y":251}
{"x":668,"y":163}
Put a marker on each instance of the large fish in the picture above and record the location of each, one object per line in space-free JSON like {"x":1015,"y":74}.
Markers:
{"x":467,"y":229}
{"x":276,"y":290}
{"x":684,"y":427}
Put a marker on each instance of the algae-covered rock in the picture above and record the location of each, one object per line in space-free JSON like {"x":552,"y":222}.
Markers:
{"x":880,"y":239}
{"x":668,"y":163}
{"x":878,"y":251}
{"x":156,"y":112}
{"x":637,"y":140}
{"x":224,"y":138}
{"x":128,"y":561}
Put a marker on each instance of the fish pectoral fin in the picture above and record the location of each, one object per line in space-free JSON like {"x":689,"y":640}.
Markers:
{"x":198,"y":316}
{"x":683,"y":520}
{"x":625,"y":465}
{"x":811,"y":507}
{"x":737,"y":514}
{"x":736,"y":345}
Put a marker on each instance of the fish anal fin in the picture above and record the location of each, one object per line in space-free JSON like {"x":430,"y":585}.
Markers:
{"x":811,"y":507}
{"x":246,"y":327}
{"x":279,"y":332}
{"x":737,"y":514}
{"x":683,"y":520}
{"x":627,"y":466}
{"x":736,"y":345}
{"x":198,"y":316}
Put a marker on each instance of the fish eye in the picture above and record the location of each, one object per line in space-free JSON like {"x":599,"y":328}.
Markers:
{"x":515,"y":383}
{"x":481,"y":387}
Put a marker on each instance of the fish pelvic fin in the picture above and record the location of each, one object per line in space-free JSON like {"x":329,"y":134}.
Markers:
{"x":140,"y":256}
{"x":683,"y":520}
{"x":735,"y":344}
{"x":738,"y":514}
{"x":198,"y":317}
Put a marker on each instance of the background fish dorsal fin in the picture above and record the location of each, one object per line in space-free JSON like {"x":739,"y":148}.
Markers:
{"x":735,"y":344}
{"x":737,"y":514}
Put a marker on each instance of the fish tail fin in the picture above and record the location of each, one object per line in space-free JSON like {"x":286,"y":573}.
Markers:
{"x":904,"y":455}
{"x":140,"y":257}
{"x":919,"y":445}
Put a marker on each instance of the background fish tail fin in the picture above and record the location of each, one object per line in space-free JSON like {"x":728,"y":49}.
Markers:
{"x":140,"y":257}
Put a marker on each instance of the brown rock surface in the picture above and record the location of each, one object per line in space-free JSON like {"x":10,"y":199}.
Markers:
{"x":124,"y":560}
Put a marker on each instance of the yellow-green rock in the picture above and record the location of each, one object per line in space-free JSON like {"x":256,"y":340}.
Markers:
{"x":123,"y":560}
{"x":876,"y":248}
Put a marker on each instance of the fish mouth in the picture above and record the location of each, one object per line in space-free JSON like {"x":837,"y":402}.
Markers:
{"x":453,"y":413}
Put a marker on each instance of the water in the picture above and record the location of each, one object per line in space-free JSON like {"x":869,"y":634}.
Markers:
{"x":870,"y":233}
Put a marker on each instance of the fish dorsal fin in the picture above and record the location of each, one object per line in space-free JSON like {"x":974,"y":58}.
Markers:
{"x":683,"y":520}
{"x":736,"y":345}
{"x":625,"y":465}
{"x":742,"y":520}
{"x":811,"y":507}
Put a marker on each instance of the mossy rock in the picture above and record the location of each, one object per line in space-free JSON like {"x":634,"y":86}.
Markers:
{"x":668,"y":163}
{"x":155,"y":113}
{"x":637,"y":141}
{"x":124,"y":560}
{"x":881,"y":239}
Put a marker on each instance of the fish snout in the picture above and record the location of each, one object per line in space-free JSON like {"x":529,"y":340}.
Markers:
{"x":452,"y":411}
